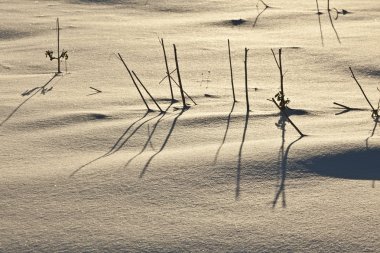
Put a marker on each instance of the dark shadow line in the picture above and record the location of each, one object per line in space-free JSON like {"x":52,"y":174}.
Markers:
{"x":149,"y":138}
{"x":26,"y":100}
{"x":281,"y":124}
{"x":91,"y":94}
{"x":225,"y":133}
{"x":284,"y":161}
{"x":187,"y":95}
{"x":320,"y":29}
{"x":372,"y":134}
{"x":125,"y":132}
{"x":332,"y":25}
{"x":342,"y":112}
{"x":133,"y":133}
{"x":349,"y":110}
{"x":112,"y":150}
{"x":367,"y":143}
{"x":150,"y":142}
{"x":238,"y":169}
{"x":320,"y":24}
{"x":163,"y":144}
{"x":258,"y":15}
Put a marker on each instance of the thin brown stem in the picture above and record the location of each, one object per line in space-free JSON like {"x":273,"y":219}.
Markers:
{"x":345,"y":107}
{"x":365,"y":96}
{"x":232,"y":77}
{"x":167,"y":69}
{"x":246,"y":78}
{"x":275,"y":58}
{"x":333,"y":26}
{"x":281,"y":79}
{"x":166,"y":76}
{"x":187,"y":95}
{"x":146,"y":90}
{"x":58,"y":52}
{"x":179,"y":77}
{"x":319,"y":21}
{"x":279,"y":65}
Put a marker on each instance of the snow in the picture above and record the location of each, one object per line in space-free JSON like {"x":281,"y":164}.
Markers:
{"x":85,"y":172}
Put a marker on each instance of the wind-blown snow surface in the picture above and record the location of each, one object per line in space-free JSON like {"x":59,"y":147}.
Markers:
{"x":84,"y":172}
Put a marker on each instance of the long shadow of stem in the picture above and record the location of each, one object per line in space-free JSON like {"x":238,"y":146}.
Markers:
{"x":149,"y":138}
{"x":225,"y":133}
{"x":367,"y":142}
{"x":163,"y":144}
{"x":333,"y":26}
{"x":117,"y":146}
{"x":283,"y":156}
{"x":238,"y":169}
{"x":261,"y":12}
{"x":133,"y":132}
{"x":372,"y":133}
{"x":33,"y":92}
{"x":320,"y":24}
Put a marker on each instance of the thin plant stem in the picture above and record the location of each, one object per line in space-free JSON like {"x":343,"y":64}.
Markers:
{"x":167,"y":69}
{"x":146,"y":90}
{"x":187,"y":95}
{"x":344,"y":106}
{"x":134,"y":82}
{"x":232,"y":77}
{"x":179,"y":77}
{"x":279,"y":65}
{"x":246,"y":78}
{"x":319,"y":21}
{"x":58,"y":58}
{"x":365,"y":96}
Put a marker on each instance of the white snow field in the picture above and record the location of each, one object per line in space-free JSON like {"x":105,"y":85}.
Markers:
{"x":87,"y":171}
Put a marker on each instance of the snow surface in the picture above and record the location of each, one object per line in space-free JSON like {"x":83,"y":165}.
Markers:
{"x":92,"y":172}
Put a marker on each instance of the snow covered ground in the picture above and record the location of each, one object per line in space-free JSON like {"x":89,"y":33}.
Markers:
{"x":93,"y":172}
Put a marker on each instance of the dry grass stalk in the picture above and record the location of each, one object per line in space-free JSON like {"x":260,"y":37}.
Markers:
{"x":375,"y":112}
{"x":146,"y":90}
{"x":246,"y":77}
{"x":232,"y":77}
{"x":288,"y":118}
{"x":167,"y":69}
{"x":179,"y":78}
{"x":134,"y":82}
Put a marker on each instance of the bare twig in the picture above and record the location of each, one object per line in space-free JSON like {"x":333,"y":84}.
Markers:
{"x":318,"y":12}
{"x":332,"y":25}
{"x":320,"y":24}
{"x":187,"y":95}
{"x":167,"y":69}
{"x":60,"y":55}
{"x":166,"y":76}
{"x":98,"y":91}
{"x":281,"y":95}
{"x":59,"y":61}
{"x":261,"y":12}
{"x":232,"y":77}
{"x":246,"y":78}
{"x":146,"y":90}
{"x":179,"y":77}
{"x":134,"y":82}
{"x":374,"y":111}
{"x":275,"y":58}
{"x":266,"y":6}
{"x":345,"y":107}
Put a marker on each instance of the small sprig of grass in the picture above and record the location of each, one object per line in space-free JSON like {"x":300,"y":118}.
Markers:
{"x":61,"y":55}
